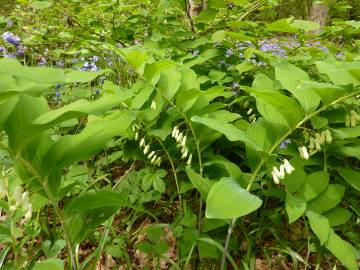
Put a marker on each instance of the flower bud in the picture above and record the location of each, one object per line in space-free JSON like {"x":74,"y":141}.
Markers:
{"x":288,"y":167}
{"x":312,"y":143}
{"x":158,"y":162}
{"x":153,"y":159}
{"x":328,"y":136}
{"x":322,"y":137}
{"x":142,"y":142}
{"x":28,"y":213}
{"x":347,"y":120}
{"x":179,"y":138}
{"x":317,"y":142}
{"x":151,"y":154}
{"x":183,"y":142}
{"x":184,"y":155}
{"x":136,"y":136}
{"x":189,"y":160}
{"x":146,"y":149}
{"x":17,"y":195}
{"x":173,"y":132}
{"x":303,"y":152}
{"x":275,"y":178}
{"x":352,"y":121}
{"x":281,"y":174}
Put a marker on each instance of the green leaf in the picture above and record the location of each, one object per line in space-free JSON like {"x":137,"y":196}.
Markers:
{"x":350,"y":176}
{"x":283,"y":25}
{"x":203,"y":185}
{"x":347,"y":132}
{"x":53,"y":249}
{"x":291,"y":78}
{"x":203,"y":57}
{"x":281,"y":111}
{"x":337,"y":216}
{"x":315,"y":184}
{"x":227,"y":200}
{"x":53,"y":264}
{"x":319,"y":225}
{"x":40,"y":5}
{"x":73,"y":110}
{"x":72,"y":148}
{"x":84,"y":76}
{"x":136,"y":58}
{"x":339,"y":73}
{"x":207,"y":250}
{"x":102,"y":198}
{"x":154,"y":233}
{"x":43,"y":75}
{"x":295,"y":207}
{"x":328,"y":199}
{"x":342,"y":250}
{"x":231,"y":132}
{"x":326,"y":91}
{"x":159,"y":185}
{"x":264,"y":83}
{"x":305,"y":25}
{"x":294,"y":180}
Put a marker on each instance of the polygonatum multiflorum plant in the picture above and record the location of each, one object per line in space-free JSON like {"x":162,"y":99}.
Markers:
{"x":294,"y":145}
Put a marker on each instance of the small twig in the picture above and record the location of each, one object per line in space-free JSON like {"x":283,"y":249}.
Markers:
{"x":125,"y":174}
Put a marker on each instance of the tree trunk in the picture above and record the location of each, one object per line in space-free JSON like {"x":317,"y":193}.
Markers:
{"x":319,"y":13}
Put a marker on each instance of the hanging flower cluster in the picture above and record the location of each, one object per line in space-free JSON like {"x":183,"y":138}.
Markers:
{"x":17,"y":200}
{"x":154,"y":159}
{"x":352,"y":119}
{"x":319,"y":139}
{"x":181,"y":140}
{"x":277,"y":174}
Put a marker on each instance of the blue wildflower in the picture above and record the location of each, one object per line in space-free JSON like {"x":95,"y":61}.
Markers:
{"x":11,"y":55}
{"x":95,"y":58}
{"x":21,"y":51}
{"x":229,"y":52}
{"x":11,"y":38}
{"x":284,"y":144}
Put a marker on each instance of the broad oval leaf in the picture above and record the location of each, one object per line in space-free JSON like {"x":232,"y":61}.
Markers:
{"x":350,"y":176}
{"x":294,"y":206}
{"x":328,"y":199}
{"x":227,"y":200}
{"x":337,"y":216}
{"x":315,"y":184}
{"x":319,"y":225}
{"x":231,"y":132}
